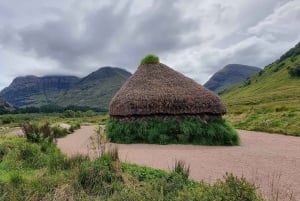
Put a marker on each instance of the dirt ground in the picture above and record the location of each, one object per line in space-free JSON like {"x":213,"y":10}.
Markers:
{"x":271,"y":161}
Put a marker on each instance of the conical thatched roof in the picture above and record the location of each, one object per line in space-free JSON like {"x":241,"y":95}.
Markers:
{"x":156,"y":89}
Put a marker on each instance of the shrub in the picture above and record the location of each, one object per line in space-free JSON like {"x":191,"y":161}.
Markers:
{"x":97,"y":177}
{"x":181,"y":168}
{"x":37,"y":134}
{"x":7,"y":119}
{"x":59,"y":131}
{"x":247,"y":82}
{"x":294,"y":72}
{"x":230,"y":188}
{"x":216,"y":131}
{"x":74,"y":127}
{"x":233,"y":188}
{"x":150,"y":59}
{"x":31,"y":156}
{"x":69,"y":114}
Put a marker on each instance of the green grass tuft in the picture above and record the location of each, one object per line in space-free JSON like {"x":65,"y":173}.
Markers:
{"x":190,"y":130}
{"x":150,"y":59}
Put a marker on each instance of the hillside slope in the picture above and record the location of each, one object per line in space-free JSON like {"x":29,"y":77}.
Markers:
{"x":5,"y":106}
{"x":230,"y":75}
{"x":95,"y":90}
{"x":270,"y":100}
{"x":36,"y":91}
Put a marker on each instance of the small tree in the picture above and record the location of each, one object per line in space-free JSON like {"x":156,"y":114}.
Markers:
{"x":99,"y":141}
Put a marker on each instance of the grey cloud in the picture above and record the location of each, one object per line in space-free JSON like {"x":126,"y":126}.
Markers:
{"x":195,"y":37}
{"x":74,"y":44}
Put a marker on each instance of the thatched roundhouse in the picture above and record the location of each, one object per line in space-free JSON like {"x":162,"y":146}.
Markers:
{"x":160,"y":105}
{"x":156,"y":89}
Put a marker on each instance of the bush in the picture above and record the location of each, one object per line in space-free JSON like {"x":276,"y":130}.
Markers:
{"x":59,"y":131}
{"x":7,"y":119}
{"x":37,"y":134}
{"x":19,"y":154}
{"x":74,"y":127}
{"x":216,"y":131}
{"x":69,"y":114}
{"x":97,"y":177}
{"x":294,"y":72}
{"x":150,"y":59}
{"x":233,"y":188}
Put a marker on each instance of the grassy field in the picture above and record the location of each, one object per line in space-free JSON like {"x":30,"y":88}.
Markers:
{"x":269,"y":101}
{"x":39,"y":171}
{"x":13,"y":120}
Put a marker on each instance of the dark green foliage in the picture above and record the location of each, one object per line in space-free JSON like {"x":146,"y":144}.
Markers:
{"x":150,"y":59}
{"x":57,"y":162}
{"x":60,"y":132}
{"x":143,"y":173}
{"x":69,"y":114}
{"x":20,"y":154}
{"x":74,"y":127}
{"x":215,"y":131}
{"x":294,"y":72}
{"x":97,"y":177}
{"x":233,"y":188}
{"x":37,"y":134}
{"x":247,"y":82}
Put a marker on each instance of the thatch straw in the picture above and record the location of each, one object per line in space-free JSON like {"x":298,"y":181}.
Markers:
{"x":156,"y":89}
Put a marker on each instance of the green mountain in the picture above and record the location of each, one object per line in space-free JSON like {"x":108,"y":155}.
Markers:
{"x":36,"y":91}
{"x":95,"y":90}
{"x":230,"y":75}
{"x":270,"y":100}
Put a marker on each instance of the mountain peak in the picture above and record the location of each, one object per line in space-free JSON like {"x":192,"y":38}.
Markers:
{"x":230,"y":75}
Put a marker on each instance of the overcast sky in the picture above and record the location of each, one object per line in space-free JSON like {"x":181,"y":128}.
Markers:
{"x":195,"y":37}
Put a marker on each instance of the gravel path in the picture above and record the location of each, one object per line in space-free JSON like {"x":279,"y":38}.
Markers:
{"x":271,"y":161}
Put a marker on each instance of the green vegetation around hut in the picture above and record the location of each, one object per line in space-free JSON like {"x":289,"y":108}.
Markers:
{"x":150,"y":59}
{"x":216,"y":131}
{"x":39,"y":171}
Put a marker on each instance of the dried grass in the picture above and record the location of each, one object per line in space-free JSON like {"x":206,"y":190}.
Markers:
{"x":157,"y":89}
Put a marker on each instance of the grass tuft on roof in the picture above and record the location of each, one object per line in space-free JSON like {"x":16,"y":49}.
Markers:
{"x":150,"y":59}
